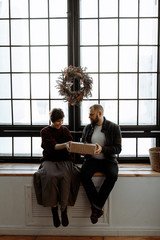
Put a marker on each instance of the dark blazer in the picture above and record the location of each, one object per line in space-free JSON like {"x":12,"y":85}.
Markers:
{"x":113,"y":139}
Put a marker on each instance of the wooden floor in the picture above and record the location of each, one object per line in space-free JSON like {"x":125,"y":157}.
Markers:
{"x":74,"y":238}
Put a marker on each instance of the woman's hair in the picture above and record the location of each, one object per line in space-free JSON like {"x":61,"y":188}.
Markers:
{"x":56,"y":114}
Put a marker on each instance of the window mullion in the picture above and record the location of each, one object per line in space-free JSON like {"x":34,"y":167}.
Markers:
{"x":10,"y":36}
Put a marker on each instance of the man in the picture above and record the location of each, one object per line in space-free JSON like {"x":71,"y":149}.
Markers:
{"x":107,"y":137}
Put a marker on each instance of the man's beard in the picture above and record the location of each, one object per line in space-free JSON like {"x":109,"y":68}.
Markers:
{"x":95,"y":121}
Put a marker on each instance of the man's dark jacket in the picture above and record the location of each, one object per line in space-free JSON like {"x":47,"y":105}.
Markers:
{"x":113,"y":139}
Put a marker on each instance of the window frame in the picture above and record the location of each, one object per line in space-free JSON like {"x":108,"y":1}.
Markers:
{"x":128,"y":131}
{"x":74,"y":111}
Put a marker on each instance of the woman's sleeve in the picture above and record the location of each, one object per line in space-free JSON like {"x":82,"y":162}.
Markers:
{"x":68,"y":135}
{"x":48,"y":142}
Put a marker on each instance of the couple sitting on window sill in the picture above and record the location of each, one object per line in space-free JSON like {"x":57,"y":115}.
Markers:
{"x":58,"y":179}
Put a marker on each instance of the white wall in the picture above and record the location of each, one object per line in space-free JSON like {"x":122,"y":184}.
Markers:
{"x":132,"y":209}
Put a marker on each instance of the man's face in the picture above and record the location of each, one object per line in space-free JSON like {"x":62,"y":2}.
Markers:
{"x":93,"y":115}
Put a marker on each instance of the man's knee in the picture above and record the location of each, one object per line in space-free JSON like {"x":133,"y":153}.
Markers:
{"x":85,"y":173}
{"x":114,"y":176}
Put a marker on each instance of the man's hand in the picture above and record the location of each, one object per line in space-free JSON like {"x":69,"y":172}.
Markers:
{"x":99,"y":149}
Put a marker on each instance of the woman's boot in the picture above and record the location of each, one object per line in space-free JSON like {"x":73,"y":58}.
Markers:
{"x":64,"y":216}
{"x":56,"y":221}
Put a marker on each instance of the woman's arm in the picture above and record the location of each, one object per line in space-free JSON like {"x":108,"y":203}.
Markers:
{"x":62,"y":146}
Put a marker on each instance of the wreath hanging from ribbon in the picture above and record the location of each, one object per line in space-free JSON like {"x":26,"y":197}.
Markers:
{"x":67,"y":81}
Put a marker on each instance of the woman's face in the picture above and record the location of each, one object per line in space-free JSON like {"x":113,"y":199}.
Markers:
{"x":57,"y":124}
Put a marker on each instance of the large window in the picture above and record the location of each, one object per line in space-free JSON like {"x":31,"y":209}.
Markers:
{"x":118,"y":43}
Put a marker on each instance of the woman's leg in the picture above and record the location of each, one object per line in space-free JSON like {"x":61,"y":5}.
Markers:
{"x":65,"y":188}
{"x":56,"y":220}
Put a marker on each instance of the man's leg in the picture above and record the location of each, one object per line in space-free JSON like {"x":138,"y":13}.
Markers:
{"x":88,"y":169}
{"x":111,"y":172}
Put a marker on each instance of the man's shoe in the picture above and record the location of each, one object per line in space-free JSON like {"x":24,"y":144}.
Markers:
{"x":96,"y":213}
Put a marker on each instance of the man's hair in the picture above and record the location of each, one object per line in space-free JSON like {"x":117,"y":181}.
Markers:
{"x":97,"y":107}
{"x":56,"y":114}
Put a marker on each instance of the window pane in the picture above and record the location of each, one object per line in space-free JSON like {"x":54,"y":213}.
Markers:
{"x":129,"y":147}
{"x":58,"y":31}
{"x":147,"y":112}
{"x":128,"y":86}
{"x":89,"y":32}
{"x":4,"y":59}
{"x":149,"y":8}
{"x":4,"y":9}
{"x":89,"y":58}
{"x":20,"y":85}
{"x":39,"y":56}
{"x":40,"y":85}
{"x":148,"y":31}
{"x":5,"y":86}
{"x":5,"y":109}
{"x":108,"y":86}
{"x":88,"y":8}
{"x":39,"y":32}
{"x":53,"y":89}
{"x":20,"y":59}
{"x":22,"y":146}
{"x":57,"y":62}
{"x":128,"y":31}
{"x":148,"y":59}
{"x":21,"y":109}
{"x":144,"y":144}
{"x":94,"y":90}
{"x":19,"y":8}
{"x":4,"y":30}
{"x":39,"y":8}
{"x":128,"y":112}
{"x":5,"y":146}
{"x":108,"y":8}
{"x":109,"y":26}
{"x":108,"y":59}
{"x":64,"y":106}
{"x":110,"y":110}
{"x":148,"y":85}
{"x":58,"y":8}
{"x":126,"y":62}
{"x":19,"y":32}
{"x":128,"y":8}
{"x":36,"y":147}
{"x":40,"y":112}
{"x":84,"y":111}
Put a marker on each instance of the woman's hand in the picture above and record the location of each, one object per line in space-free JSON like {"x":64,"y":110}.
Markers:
{"x":62,"y":146}
{"x":68,"y":144}
{"x":99,"y":149}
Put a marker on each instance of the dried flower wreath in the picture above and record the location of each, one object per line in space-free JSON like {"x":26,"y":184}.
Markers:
{"x":69,"y":76}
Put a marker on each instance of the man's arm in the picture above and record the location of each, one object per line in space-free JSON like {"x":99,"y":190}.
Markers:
{"x":116,"y":146}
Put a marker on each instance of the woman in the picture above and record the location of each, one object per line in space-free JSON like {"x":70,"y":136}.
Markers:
{"x":59,"y":178}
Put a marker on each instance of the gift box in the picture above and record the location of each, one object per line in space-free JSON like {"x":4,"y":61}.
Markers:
{"x":82,"y":148}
